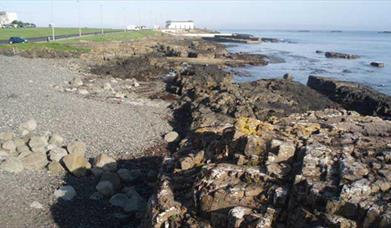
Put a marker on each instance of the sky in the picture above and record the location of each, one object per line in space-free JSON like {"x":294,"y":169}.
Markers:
{"x":217,"y":14}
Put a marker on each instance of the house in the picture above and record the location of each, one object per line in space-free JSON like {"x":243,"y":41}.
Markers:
{"x":180,"y":25}
{"x":7,"y":18}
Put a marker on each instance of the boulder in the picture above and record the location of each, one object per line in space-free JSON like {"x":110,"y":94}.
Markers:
{"x":57,"y":154}
{"x":12,"y":165}
{"x":125,"y":175}
{"x":377,"y":64}
{"x":37,"y":142}
{"x":35,"y":161}
{"x":76,"y":82}
{"x":340,"y":55}
{"x":76,"y":163}
{"x":6,"y":136}
{"x":29,"y":125}
{"x":56,"y":139}
{"x":55,"y":167}
{"x":105,"y":188}
{"x":113,"y":178}
{"x":83,"y":92}
{"x":105,"y":162}
{"x":288,"y":76}
{"x":22,"y":149}
{"x":9,"y":146}
{"x":76,"y":147}
{"x":171,"y":136}
{"x":96,"y":196}
{"x":119,"y":200}
{"x":136,"y":203}
{"x":66,"y":192}
{"x":36,"y":205}
{"x":286,"y":150}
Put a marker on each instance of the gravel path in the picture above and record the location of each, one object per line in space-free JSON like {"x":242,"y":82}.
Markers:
{"x":26,"y":91}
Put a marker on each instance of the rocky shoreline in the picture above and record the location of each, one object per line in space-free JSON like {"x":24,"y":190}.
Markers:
{"x":268,"y":153}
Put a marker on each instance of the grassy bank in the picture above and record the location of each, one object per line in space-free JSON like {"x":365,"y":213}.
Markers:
{"x":117,"y":36}
{"x":71,"y":47}
{"x":5,"y":34}
{"x":45,"y":50}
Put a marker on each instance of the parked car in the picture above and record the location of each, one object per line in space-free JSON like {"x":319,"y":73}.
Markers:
{"x":17,"y":40}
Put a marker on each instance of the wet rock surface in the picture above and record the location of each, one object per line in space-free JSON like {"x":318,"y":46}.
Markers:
{"x":353,"y":96}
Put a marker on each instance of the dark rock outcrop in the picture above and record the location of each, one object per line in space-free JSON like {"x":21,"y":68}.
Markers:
{"x":377,"y":64}
{"x":326,"y":168}
{"x":338,"y":55}
{"x":353,"y":96}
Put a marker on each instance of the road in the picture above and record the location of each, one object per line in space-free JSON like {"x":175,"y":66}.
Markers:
{"x":42,"y":39}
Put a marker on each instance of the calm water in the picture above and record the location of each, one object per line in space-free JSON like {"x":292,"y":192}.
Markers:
{"x":301,"y":60}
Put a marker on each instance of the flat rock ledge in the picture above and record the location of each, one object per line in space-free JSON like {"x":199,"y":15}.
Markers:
{"x":326,"y":168}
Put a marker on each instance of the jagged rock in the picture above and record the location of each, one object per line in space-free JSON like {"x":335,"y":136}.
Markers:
{"x":66,"y":192}
{"x":171,"y":137}
{"x":57,"y":154}
{"x":353,"y":96}
{"x":212,"y":195}
{"x":75,"y":162}
{"x":254,"y":146}
{"x":56,"y":139}
{"x":34,"y":161}
{"x":284,"y":150}
{"x":105,"y":188}
{"x":236,"y":216}
{"x":76,"y":147}
{"x":55,"y":167}
{"x":105,"y":162}
{"x":12,"y":165}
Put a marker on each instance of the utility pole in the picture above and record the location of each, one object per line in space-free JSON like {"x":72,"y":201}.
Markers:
{"x":78,"y":17}
{"x":51,"y":18}
{"x":101,"y":18}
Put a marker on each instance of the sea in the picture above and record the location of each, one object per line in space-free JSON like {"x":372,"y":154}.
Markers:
{"x":296,"y":54}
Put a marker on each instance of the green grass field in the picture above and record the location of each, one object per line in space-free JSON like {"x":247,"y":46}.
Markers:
{"x":117,"y":36}
{"x":78,"y":45}
{"x":5,"y":34}
{"x":54,"y":46}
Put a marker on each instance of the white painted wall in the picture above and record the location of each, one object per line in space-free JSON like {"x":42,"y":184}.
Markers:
{"x":180,"y":25}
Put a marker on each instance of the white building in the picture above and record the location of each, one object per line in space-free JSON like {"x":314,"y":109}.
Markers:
{"x":7,"y":17}
{"x":180,"y":25}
